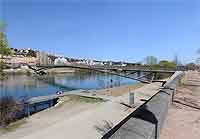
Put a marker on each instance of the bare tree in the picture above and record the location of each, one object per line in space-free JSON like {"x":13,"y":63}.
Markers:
{"x":9,"y":107}
{"x":198,"y":51}
{"x":198,"y":57}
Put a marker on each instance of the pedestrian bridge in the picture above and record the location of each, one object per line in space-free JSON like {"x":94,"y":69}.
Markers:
{"x":110,"y":68}
{"x":144,"y":74}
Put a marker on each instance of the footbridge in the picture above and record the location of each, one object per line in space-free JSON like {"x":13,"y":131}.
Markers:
{"x":144,"y":74}
{"x":108,"y":68}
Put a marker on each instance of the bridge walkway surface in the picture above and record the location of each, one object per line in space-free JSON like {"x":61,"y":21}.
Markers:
{"x":120,"y":68}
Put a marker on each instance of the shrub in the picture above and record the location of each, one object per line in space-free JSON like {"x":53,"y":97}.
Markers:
{"x":9,"y":107}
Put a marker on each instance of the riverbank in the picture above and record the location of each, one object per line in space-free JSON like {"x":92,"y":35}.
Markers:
{"x":118,"y":91}
{"x":90,"y":119}
{"x":27,"y":71}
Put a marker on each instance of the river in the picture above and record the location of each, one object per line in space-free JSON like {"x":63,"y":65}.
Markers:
{"x":23,"y":87}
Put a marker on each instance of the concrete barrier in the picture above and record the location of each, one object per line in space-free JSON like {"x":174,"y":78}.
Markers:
{"x":146,"y":122}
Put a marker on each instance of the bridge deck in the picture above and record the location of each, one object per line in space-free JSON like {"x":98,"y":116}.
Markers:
{"x":140,"y":69}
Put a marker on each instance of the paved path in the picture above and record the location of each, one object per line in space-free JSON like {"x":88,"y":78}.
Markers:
{"x":183,"y":121}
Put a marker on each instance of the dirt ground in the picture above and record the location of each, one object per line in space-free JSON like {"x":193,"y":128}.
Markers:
{"x":119,"y":91}
{"x":183,"y":120}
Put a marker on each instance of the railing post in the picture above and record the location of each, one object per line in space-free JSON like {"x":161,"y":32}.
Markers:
{"x":28,"y":109}
{"x":131,"y":98}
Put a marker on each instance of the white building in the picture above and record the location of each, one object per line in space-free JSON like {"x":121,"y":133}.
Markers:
{"x":61,"y":61}
{"x":98,"y":63}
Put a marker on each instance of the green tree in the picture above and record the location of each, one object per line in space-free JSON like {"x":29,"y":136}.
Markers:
{"x":4,"y":49}
{"x":167,"y":64}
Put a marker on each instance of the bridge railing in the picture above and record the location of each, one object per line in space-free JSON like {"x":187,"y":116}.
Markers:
{"x":147,"y":67}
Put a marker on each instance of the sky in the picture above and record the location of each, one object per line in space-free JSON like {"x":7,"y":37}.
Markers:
{"x":120,"y":30}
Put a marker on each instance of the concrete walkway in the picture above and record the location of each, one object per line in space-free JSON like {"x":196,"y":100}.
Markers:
{"x":183,"y":120}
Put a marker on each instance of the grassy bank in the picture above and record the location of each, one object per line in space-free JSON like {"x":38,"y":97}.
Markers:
{"x":77,"y":99}
{"x":120,"y":90}
{"x":13,"y":126}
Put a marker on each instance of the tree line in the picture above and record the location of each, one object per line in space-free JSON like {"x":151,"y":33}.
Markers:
{"x":154,"y":63}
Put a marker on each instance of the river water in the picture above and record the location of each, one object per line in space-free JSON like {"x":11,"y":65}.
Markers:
{"x":23,"y":87}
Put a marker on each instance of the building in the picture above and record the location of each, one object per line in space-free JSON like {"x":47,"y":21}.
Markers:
{"x":20,"y":60}
{"x":61,"y":61}
{"x":100,"y":63}
{"x":43,"y":59}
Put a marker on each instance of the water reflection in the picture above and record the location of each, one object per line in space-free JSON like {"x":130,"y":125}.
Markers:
{"x":24,"y":87}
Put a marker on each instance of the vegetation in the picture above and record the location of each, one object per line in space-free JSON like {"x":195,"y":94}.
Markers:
{"x":4,"y":49}
{"x":84,"y":99}
{"x":13,"y":126}
{"x":191,"y":66}
{"x":167,"y":64}
{"x":9,"y":108}
{"x":75,"y":98}
{"x":163,"y":64}
{"x":198,"y":56}
{"x":31,"y":53}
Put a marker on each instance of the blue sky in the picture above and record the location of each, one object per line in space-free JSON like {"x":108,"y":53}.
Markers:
{"x":107,"y":29}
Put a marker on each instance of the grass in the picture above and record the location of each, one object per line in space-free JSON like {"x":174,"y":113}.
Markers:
{"x":85,"y":99}
{"x":76,"y":98}
{"x":3,"y":75}
{"x":13,"y":126}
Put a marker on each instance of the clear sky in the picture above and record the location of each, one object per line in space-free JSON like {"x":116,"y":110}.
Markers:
{"x":125,"y":30}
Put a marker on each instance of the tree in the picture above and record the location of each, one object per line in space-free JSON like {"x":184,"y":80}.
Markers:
{"x":4,"y":49}
{"x":9,"y":108}
{"x":198,"y":51}
{"x":167,"y":64}
{"x":198,"y":57}
{"x":151,"y":60}
{"x":31,"y":53}
{"x":191,"y":66}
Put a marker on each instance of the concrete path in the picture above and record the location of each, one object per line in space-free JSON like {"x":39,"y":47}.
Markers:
{"x":183,"y":120}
